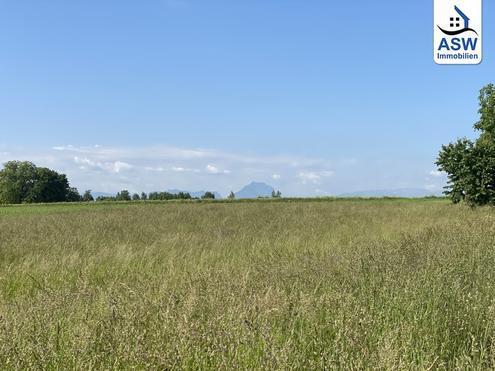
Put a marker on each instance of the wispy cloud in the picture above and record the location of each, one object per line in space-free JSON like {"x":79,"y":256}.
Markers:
{"x":314,"y":177}
{"x":211,"y":169}
{"x":112,"y":167}
{"x":181,"y":169}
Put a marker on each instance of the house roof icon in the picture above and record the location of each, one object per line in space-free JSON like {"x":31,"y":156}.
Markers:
{"x":463,"y":16}
{"x":456,"y":31}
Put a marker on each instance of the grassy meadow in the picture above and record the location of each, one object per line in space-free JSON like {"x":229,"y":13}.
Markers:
{"x":388,"y":284}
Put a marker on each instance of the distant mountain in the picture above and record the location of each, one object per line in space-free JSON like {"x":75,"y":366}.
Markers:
{"x":196,"y":194}
{"x":255,"y":190}
{"x":401,"y":192}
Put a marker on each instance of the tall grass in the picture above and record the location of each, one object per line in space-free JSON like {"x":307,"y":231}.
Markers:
{"x":285,"y":285}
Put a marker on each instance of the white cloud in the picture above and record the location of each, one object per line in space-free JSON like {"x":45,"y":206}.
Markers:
{"x":180,"y":169}
{"x":112,"y":167}
{"x":63,"y":148}
{"x":155,"y":152}
{"x":157,"y":169}
{"x":313,"y":176}
{"x":168,"y":153}
{"x":211,"y":169}
{"x":437,"y":173}
{"x":85,"y":163}
{"x":118,"y":166}
{"x":276,"y":176}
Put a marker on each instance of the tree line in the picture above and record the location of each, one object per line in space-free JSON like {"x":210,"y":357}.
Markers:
{"x":23,"y":182}
{"x":125,"y":195}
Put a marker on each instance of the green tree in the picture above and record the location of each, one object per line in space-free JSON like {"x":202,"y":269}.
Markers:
{"x":231,"y":195}
{"x":123,"y":195}
{"x":208,"y":196}
{"x":16,"y":181}
{"x":144,"y":196}
{"x":87,"y":196}
{"x":73,"y":195}
{"x":470,"y":165}
{"x":135,"y":197}
{"x":24,"y":182}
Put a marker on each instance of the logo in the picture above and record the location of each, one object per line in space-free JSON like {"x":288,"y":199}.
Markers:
{"x":457,"y":32}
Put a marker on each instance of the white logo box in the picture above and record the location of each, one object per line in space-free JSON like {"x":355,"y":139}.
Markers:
{"x":457,"y":32}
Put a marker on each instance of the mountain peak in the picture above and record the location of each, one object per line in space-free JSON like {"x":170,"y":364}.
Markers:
{"x":255,"y":190}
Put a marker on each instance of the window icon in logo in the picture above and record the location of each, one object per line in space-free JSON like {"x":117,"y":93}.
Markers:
{"x":455,"y":24}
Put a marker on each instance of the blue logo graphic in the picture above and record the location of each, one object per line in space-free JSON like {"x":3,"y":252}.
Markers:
{"x":455,"y":24}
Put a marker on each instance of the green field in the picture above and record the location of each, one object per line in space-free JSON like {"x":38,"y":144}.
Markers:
{"x":279,"y":285}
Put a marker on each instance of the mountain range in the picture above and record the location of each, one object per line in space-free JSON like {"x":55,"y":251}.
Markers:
{"x":400,"y":192}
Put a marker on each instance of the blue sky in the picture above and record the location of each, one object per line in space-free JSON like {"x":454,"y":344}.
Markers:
{"x":313,"y":97}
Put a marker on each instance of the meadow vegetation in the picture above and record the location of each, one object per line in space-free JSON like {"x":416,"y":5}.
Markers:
{"x":221,"y":285}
